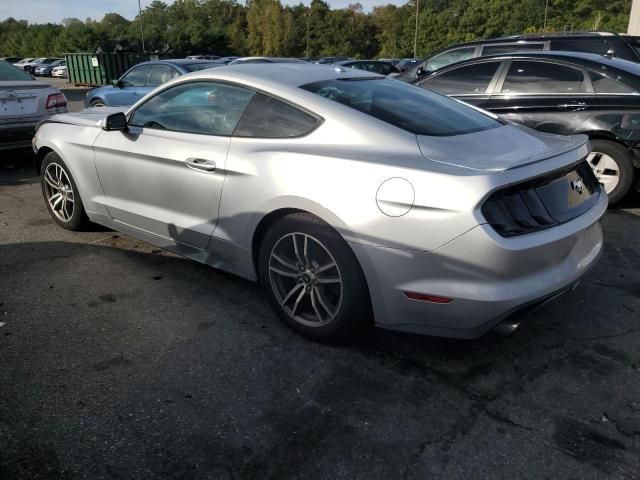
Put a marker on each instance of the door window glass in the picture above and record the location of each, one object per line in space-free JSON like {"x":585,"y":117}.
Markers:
{"x":543,"y":77}
{"x":447,"y":58}
{"x":160,"y":74}
{"x":463,"y":80}
{"x":200,"y":107}
{"x":268,"y":117}
{"x":604,"y":84}
{"x":136,"y":77}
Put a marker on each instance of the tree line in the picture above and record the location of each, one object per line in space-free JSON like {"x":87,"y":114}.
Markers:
{"x":267,"y":27}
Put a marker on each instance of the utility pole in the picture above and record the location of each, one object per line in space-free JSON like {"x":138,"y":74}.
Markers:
{"x":546,"y":7}
{"x":141,"y":29}
{"x":308,"y":15}
{"x":634,"y":18}
{"x":415,"y":36}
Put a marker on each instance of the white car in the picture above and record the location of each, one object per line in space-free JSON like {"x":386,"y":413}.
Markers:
{"x":24,"y":101}
{"x":60,"y":71}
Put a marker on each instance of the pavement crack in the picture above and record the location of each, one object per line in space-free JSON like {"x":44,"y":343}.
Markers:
{"x":599,"y":337}
{"x":498,"y":417}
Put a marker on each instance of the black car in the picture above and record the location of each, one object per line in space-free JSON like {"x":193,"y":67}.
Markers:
{"x":626,"y":47}
{"x":561,"y":93}
{"x":375,"y":66}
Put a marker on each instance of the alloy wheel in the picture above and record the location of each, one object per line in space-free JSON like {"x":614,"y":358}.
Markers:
{"x":606,"y":170}
{"x":305,"y":279}
{"x":59,"y":192}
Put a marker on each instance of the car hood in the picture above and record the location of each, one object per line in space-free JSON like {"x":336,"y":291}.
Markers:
{"x":498,"y":149}
{"x":90,"y":117}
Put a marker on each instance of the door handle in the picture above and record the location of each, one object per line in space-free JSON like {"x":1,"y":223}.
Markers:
{"x":201,"y":164}
{"x":574,"y":106}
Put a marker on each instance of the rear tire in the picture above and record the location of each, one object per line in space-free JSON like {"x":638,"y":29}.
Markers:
{"x":96,"y":102}
{"x":60,"y":193}
{"x":611,"y":163}
{"x":313,"y":280}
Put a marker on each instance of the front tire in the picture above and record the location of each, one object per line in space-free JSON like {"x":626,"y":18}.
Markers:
{"x":312,"y":279}
{"x":96,"y":102}
{"x":60,"y":193}
{"x":612,"y":166}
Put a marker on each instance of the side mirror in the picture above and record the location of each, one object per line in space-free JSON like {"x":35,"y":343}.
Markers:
{"x":115,"y":122}
{"x":630,"y":122}
{"x":420,"y":72}
{"x":117,"y":83}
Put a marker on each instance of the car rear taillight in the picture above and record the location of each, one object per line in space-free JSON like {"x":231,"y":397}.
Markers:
{"x":56,"y":100}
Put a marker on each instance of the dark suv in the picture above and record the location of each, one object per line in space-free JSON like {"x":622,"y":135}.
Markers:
{"x":626,"y":47}
{"x":561,"y":93}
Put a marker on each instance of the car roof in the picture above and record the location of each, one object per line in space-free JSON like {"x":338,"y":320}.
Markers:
{"x":281,"y":76}
{"x":349,"y":62}
{"x":533,"y":37}
{"x":187,"y":61}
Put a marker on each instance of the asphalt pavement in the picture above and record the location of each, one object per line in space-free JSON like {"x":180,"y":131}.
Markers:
{"x":122,"y":361}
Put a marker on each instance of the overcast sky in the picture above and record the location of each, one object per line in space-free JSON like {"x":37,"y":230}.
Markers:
{"x":43,"y":11}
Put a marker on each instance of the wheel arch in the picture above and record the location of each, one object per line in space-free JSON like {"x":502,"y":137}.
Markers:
{"x":272,"y":217}
{"x":39,"y":157}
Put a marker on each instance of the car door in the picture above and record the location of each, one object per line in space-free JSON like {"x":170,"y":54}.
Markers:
{"x":471,"y":83}
{"x":132,"y":87}
{"x":545,"y":95}
{"x":164,"y":175}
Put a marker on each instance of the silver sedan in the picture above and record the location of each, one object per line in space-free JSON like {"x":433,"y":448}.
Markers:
{"x":351,"y":198}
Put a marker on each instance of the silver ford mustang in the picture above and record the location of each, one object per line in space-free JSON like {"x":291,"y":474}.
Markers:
{"x":350,"y":197}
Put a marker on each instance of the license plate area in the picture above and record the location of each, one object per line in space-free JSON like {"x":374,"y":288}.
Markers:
{"x":17,"y":106}
{"x":568,"y":196}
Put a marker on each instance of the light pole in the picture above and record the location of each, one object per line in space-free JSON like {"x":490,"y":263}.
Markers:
{"x":546,"y":7}
{"x":415,"y":36}
{"x":308,"y":15}
{"x":141,"y":30}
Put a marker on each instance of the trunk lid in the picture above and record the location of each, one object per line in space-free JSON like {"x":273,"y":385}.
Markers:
{"x":500,"y":149}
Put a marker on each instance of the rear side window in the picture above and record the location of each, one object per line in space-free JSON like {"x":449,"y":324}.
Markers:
{"x":160,"y":74}
{"x":510,"y":47}
{"x":404,"y":106}
{"x":588,"y":45}
{"x":267,"y":117}
{"x":604,"y":84}
{"x":543,"y":77}
{"x":469,"y":79}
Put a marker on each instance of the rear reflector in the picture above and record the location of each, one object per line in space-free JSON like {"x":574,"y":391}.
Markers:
{"x":56,"y":100}
{"x":423,"y":297}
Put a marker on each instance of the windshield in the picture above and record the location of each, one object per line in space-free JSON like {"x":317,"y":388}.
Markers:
{"x":9,"y":72}
{"x":194,"y":67}
{"x":413,"y":109}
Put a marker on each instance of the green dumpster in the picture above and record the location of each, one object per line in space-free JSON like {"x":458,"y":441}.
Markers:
{"x":94,"y":69}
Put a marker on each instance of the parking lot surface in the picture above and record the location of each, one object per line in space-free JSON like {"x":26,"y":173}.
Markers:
{"x":118,"y":360}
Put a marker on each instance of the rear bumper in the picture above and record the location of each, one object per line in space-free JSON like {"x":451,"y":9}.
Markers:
{"x":488,"y":277}
{"x":18,"y":134}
